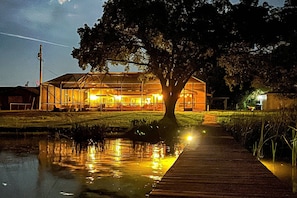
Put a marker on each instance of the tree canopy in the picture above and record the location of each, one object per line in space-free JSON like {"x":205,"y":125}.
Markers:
{"x":173,"y":39}
{"x":267,"y":54}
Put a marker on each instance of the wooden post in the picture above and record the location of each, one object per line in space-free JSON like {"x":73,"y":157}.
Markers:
{"x":40,"y":76}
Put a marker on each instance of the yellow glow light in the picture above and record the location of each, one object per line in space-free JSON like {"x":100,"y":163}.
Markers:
{"x":189,"y":138}
{"x":118,"y":97}
{"x":158,"y":96}
{"x":148,"y":100}
{"x":93,"y":97}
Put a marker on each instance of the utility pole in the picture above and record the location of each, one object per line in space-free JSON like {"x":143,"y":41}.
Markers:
{"x":40,"y":75}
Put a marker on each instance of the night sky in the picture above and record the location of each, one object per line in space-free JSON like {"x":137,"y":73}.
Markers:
{"x":27,"y":24}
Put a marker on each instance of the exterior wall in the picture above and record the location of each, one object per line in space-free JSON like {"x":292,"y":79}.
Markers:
{"x":276,"y":101}
{"x":18,"y":98}
{"x":55,"y":97}
{"x":193,"y":97}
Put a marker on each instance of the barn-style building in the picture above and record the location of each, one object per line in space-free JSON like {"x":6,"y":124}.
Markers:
{"x":116,"y":91}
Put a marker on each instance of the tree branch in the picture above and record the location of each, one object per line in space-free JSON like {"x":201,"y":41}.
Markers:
{"x":125,"y":61}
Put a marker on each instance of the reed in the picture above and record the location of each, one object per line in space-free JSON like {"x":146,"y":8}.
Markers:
{"x":270,"y":134}
{"x":254,"y":131}
{"x":294,"y":145}
{"x":261,"y":141}
{"x":255,"y":148}
{"x":273,"y":149}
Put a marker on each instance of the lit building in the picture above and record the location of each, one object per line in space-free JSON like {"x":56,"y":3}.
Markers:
{"x":116,"y":91}
{"x":276,"y":101}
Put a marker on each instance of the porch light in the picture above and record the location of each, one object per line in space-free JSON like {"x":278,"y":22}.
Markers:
{"x":262,"y":97}
{"x":158,"y":96}
{"x":94,"y":97}
{"x":118,"y":97}
{"x":148,"y":100}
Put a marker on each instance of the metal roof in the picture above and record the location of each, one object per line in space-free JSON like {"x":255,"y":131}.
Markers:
{"x":96,"y":80}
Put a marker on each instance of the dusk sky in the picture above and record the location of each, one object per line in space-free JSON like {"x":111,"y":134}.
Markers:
{"x":27,"y":24}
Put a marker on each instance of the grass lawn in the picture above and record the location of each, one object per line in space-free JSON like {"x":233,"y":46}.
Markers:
{"x":25,"y":119}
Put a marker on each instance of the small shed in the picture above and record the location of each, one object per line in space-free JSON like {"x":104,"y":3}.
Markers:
{"x":277,"y":101}
{"x":19,"y":98}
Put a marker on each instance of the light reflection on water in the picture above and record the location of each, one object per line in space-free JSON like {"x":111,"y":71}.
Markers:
{"x":54,"y":168}
{"x":284,"y":171}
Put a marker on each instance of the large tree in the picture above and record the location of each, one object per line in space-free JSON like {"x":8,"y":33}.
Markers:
{"x":171,"y":38}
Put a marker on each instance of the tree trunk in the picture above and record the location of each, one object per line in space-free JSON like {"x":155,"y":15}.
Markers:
{"x":170,"y":99}
{"x":171,"y":89}
{"x":168,"y":124}
{"x":170,"y":103}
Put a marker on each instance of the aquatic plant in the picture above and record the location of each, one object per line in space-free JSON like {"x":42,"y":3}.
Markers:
{"x":141,"y":130}
{"x":267,"y":132}
{"x":254,"y":132}
{"x":84,"y":135}
{"x":293,"y":144}
{"x":261,"y":141}
{"x":273,"y":149}
{"x":255,"y":147}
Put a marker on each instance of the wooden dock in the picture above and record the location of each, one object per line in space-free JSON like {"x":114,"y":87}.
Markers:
{"x":215,"y":165}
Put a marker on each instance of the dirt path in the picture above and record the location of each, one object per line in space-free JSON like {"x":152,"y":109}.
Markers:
{"x":210,"y":119}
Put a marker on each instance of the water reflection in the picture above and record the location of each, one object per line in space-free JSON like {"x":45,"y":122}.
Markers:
{"x":284,"y":171}
{"x":54,"y":168}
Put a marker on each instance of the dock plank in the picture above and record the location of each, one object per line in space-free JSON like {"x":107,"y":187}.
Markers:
{"x":216,"y":166}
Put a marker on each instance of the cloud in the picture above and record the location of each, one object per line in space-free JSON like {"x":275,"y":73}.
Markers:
{"x":36,"y":15}
{"x":63,"y":1}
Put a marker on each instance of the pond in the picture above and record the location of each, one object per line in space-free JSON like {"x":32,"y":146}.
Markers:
{"x":43,"y":167}
{"x":283,"y":171}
